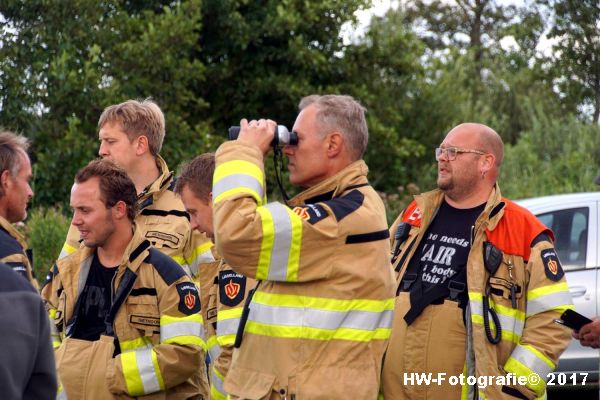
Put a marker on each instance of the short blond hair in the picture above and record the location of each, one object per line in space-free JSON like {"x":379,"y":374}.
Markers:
{"x":138,"y":118}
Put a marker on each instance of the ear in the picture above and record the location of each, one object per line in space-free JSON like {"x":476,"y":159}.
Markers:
{"x":5,"y":179}
{"x":209,"y":198}
{"x":120,"y":210}
{"x":142,"y":145}
{"x":487,"y":163}
{"x":335,"y":144}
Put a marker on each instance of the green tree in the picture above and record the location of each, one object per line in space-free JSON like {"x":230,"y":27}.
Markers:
{"x":577,"y":52}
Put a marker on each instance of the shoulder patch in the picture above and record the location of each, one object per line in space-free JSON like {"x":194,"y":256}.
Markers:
{"x":412,"y":214}
{"x":189,"y":298}
{"x":312,"y":213}
{"x":232,"y":287}
{"x":552,"y":266}
{"x":345,"y":205}
{"x":166,"y":267}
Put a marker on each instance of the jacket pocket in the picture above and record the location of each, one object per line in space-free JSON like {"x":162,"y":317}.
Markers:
{"x":247,"y":384}
{"x":143,"y":315}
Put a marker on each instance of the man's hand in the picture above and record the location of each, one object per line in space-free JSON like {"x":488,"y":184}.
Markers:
{"x":589,"y":335}
{"x":259,"y":133}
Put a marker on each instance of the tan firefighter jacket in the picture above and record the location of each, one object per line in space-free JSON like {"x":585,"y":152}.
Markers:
{"x":165,"y":223}
{"x":13,"y":251}
{"x":531,"y":342}
{"x":319,"y":320}
{"x":158,"y":329}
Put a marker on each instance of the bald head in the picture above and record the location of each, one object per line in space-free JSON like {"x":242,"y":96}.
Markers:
{"x":483,"y":137}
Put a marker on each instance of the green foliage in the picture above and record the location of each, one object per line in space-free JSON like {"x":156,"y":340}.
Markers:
{"x":555,"y":156}
{"x":46,"y":232}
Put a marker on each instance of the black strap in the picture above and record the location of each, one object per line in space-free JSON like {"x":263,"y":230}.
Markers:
{"x":244,"y":318}
{"x":420,"y":300}
{"x":121,"y":294}
{"x":368,"y":237}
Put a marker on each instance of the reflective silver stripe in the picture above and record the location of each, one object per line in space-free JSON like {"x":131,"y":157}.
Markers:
{"x":531,"y":361}
{"x":548,"y":302}
{"x":507,"y":322}
{"x":227,"y":326}
{"x":235,"y":181}
{"x":62,"y":395}
{"x":176,"y":329}
{"x":214,"y":352}
{"x":63,"y":254}
{"x":217,"y":382}
{"x":202,"y":258}
{"x":320,"y":319}
{"x":282,"y":241}
{"x":145,"y":366}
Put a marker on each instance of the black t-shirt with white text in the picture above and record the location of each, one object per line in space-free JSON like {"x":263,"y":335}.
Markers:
{"x":94,"y":302}
{"x":445,"y":247}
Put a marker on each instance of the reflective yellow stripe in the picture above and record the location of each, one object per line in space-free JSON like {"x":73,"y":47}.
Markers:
{"x":281,"y":240}
{"x":128,"y":345}
{"x":227,"y":325}
{"x":213,"y":348}
{"x":52,"y":313}
{"x":266,"y":246}
{"x":290,"y":316}
{"x":141,"y":372}
{"x":253,"y":186}
{"x":512,"y":320}
{"x":217,"y":391}
{"x":553,"y":297}
{"x":67,"y":250}
{"x":526,"y":360}
{"x":183,"y":330}
{"x":288,"y":300}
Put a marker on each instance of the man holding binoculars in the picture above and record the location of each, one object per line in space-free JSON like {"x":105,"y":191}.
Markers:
{"x":318,"y":322}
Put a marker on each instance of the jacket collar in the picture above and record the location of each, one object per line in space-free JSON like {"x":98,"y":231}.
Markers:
{"x":135,"y":253}
{"x":354,"y":174}
{"x":430,"y":202}
{"x":162,"y":183}
{"x":12,"y":231}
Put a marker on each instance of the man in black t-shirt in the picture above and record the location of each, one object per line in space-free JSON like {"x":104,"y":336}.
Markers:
{"x":479,"y":285}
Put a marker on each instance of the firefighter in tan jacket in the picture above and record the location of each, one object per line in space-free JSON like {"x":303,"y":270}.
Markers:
{"x":127,"y":317}
{"x":479,"y":285}
{"x":15,"y":193}
{"x":223,"y":290}
{"x":131,"y":135}
{"x":319,"y":320}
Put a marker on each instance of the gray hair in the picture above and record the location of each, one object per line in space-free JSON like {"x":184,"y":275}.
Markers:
{"x":12,"y":146}
{"x":342,"y":113}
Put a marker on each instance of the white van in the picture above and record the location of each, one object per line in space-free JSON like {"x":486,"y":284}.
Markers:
{"x":574,"y":219}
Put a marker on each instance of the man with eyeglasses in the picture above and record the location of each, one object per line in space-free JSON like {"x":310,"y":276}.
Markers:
{"x":478,"y":285}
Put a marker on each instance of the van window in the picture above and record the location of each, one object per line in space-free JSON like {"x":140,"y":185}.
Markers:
{"x":570,"y":229}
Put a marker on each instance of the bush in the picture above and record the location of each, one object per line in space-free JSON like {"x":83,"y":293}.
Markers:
{"x":46,"y":231}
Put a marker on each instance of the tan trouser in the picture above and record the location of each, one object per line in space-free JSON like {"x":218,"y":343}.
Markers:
{"x":434,"y":343}
{"x":81,"y":366}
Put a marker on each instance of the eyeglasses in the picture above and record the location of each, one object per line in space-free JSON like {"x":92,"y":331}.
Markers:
{"x":450,"y":153}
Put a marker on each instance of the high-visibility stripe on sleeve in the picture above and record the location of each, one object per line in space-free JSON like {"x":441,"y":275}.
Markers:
{"x":235,"y":177}
{"x":228,"y":322}
{"x":61,"y":394}
{"x":526,"y":360}
{"x":512,"y":320}
{"x":54,"y":335}
{"x":553,"y":297}
{"x":217,"y":389}
{"x":66,"y":250}
{"x":141,"y":372}
{"x":213,"y":348}
{"x":280,"y":248}
{"x":200,"y":255}
{"x":183,"y":330}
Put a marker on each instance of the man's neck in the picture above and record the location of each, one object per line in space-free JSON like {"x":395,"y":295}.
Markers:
{"x":468,"y":200}
{"x":111,"y":253}
{"x":144,"y":173}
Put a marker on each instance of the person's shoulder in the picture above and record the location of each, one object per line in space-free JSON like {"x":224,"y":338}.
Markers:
{"x":516,"y":212}
{"x":8,"y":244}
{"x":165,"y":266}
{"x":10,"y":281}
